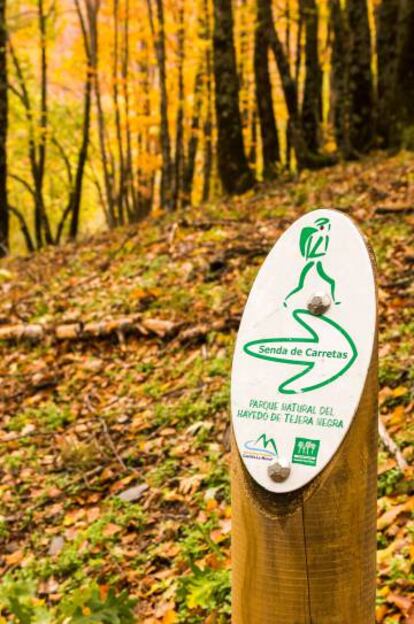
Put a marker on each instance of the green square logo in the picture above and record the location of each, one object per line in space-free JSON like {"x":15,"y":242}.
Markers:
{"x":306,"y":451}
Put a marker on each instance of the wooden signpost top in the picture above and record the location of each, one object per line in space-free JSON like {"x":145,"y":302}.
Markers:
{"x":304,"y":412}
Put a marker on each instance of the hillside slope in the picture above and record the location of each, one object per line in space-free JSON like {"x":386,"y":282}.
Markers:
{"x":114,"y":421}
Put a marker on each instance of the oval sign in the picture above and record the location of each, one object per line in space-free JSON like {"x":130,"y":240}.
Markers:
{"x":303,"y":350}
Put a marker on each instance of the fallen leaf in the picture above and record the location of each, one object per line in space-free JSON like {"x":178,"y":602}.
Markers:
{"x":111,"y":529}
{"x":391,"y":515}
{"x":56,"y":545}
{"x":404,"y":603}
{"x":134,"y":493}
{"x":15,"y":558}
{"x":170,"y":617}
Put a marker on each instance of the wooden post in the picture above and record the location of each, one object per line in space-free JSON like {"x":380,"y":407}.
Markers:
{"x":307,"y":556}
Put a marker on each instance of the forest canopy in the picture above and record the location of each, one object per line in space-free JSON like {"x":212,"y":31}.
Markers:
{"x":111,"y":110}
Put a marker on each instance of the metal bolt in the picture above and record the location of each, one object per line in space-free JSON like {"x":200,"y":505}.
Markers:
{"x":279,"y":471}
{"x":319,"y":303}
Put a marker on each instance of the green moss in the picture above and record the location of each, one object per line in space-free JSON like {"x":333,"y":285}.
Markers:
{"x":389,"y":481}
{"x":47,"y":416}
{"x":161,"y":475}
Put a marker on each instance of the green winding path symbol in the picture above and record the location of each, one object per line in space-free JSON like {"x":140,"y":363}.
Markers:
{"x":312,"y":371}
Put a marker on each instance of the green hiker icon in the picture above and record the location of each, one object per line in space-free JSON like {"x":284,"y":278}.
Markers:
{"x":313,"y":244}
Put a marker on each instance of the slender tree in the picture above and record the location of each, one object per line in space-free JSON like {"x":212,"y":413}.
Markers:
{"x":120,"y":169}
{"x":387,"y":37}
{"x":37,"y":118}
{"x":208,"y":122}
{"x":198,"y":98}
{"x":4,"y":209}
{"x":131,"y":190}
{"x":234,"y":171}
{"x":289,"y":86}
{"x":193,"y":141}
{"x":267,"y":120}
{"x":145,"y":147}
{"x":160,"y":50}
{"x":360,"y":87}
{"x":253,"y":142}
{"x":179,"y":135}
{"x":312,"y":97}
{"x":339,"y":78}
{"x":404,"y":83}
{"x":41,"y":136}
{"x":43,"y":118}
{"x":243,"y":58}
{"x":88,"y":20}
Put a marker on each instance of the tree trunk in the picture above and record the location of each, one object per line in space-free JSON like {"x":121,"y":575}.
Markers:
{"x":339,"y":78}
{"x":37,"y":146}
{"x":89,"y":26}
{"x":145,"y":145}
{"x":387,"y":31}
{"x":208,"y":132}
{"x":4,"y":211}
{"x":268,"y":127}
{"x":120,"y":169}
{"x":189,"y":170}
{"x":312,"y":97}
{"x":106,"y":154}
{"x":289,"y":86}
{"x":82,"y":158}
{"x":202,"y":79}
{"x":404,"y":100}
{"x":242,"y":59}
{"x":179,"y":136}
{"x":233,"y":168}
{"x":44,"y":123}
{"x":167,"y":168}
{"x":361,"y":102}
{"x":131,"y":190}
{"x":24,"y":228}
{"x":208,"y":123}
{"x":253,"y":144}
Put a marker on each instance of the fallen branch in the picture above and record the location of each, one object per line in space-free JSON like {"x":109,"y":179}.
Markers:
{"x":134,"y":324}
{"x":121,"y":327}
{"x":198,"y":333}
{"x":113,"y":447}
{"x":208,"y":225}
{"x":385,"y":210}
{"x":391,"y":446}
{"x":406,"y":280}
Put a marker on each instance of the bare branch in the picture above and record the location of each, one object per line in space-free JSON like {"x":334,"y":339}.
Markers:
{"x":391,"y":446}
{"x":23,"y":182}
{"x":63,"y":219}
{"x":24,"y":228}
{"x":65,"y":159}
{"x":84,"y":29}
{"x":25,"y":97}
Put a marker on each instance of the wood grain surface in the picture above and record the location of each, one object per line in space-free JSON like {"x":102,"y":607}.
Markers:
{"x":308,"y":557}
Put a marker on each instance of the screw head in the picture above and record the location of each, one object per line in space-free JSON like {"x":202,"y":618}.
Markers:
{"x":279,"y":471}
{"x":319,"y":303}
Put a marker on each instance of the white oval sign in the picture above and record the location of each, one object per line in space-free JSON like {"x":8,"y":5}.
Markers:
{"x":303,"y":350}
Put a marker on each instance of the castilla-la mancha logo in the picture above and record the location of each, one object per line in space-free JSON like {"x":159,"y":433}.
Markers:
{"x":263,"y":448}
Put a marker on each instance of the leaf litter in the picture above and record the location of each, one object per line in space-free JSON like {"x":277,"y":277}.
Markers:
{"x":115,"y":442}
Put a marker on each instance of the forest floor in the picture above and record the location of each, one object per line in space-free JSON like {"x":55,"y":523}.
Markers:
{"x":114,"y":461}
